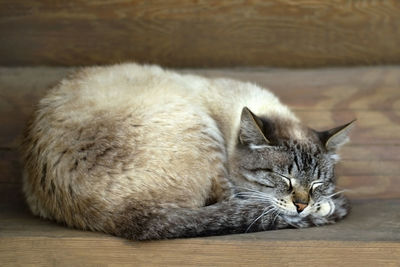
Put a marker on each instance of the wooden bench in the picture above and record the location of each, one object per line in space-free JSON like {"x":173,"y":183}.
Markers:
{"x":322,"y":98}
{"x":223,"y":33}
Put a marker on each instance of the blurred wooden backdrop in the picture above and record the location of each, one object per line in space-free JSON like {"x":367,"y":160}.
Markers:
{"x":200,"y":33}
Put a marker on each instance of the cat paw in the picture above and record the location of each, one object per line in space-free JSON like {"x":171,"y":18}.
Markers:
{"x":341,"y":207}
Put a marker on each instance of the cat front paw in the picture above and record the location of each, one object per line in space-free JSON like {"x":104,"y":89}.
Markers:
{"x":341,"y":208}
{"x":331,"y":211}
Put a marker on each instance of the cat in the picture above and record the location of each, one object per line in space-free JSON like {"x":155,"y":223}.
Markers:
{"x":143,"y":153}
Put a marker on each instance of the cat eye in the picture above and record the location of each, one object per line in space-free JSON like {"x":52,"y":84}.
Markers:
{"x":265,"y":183}
{"x":287,"y":179}
{"x":268,"y":170}
{"x":290,"y":184}
{"x":258,"y":175}
{"x":314,"y":185}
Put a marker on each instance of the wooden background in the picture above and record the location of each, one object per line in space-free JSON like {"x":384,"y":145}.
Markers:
{"x":321,"y":98}
{"x":200,"y":33}
{"x":223,"y":33}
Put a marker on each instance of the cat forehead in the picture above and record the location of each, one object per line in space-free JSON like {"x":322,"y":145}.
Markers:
{"x":291,"y":157}
{"x":307,"y":148}
{"x":291,"y":149}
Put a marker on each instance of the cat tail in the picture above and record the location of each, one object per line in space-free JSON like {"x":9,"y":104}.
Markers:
{"x":139,"y":222}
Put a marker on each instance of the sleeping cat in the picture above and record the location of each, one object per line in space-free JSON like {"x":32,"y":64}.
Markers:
{"x":145,"y":153}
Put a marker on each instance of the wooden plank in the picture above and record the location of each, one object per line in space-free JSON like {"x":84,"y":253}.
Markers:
{"x":369,"y":236}
{"x":372,"y":127}
{"x":10,"y":167}
{"x":370,"y":186}
{"x":369,"y":166}
{"x":369,"y":220}
{"x":341,"y":88}
{"x":370,"y":94}
{"x":115,"y":252}
{"x":11,"y":194}
{"x":370,"y":152}
{"x":184,"y":33}
{"x":361,"y":88}
{"x":363,"y":178}
{"x":20,"y":90}
{"x":356,"y":186}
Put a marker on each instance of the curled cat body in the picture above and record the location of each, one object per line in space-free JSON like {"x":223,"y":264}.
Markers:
{"x":141,"y":152}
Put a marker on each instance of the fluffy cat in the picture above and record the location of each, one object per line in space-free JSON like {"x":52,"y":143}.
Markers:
{"x":145,"y":153}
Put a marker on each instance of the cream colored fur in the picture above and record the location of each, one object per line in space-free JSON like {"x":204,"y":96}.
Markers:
{"x":171,"y":134}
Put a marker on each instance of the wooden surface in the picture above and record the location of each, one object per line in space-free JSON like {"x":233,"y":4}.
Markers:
{"x":368,"y":221}
{"x":321,"y":98}
{"x":116,"y":252}
{"x":369,"y":236}
{"x":187,"y":33}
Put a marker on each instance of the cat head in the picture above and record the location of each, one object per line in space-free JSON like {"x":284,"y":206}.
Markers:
{"x":295,"y":176}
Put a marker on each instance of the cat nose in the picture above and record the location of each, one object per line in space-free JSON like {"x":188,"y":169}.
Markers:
{"x":300,"y":206}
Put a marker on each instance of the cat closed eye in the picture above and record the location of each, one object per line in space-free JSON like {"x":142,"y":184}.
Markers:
{"x":315,"y":185}
{"x":286,"y":179}
{"x":288,"y":183}
{"x":266,"y":183}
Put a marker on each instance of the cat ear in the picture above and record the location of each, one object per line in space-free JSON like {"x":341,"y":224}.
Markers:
{"x":251,"y":129}
{"x":334,"y":138}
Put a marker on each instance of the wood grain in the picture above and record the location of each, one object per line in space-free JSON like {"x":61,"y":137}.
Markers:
{"x":369,"y":220}
{"x":362,"y":177}
{"x":372,"y":127}
{"x":357,"y":187}
{"x":41,"y":251}
{"x":321,"y":98}
{"x":344,"y":89}
{"x":183,"y":33}
{"x":369,"y":236}
{"x":11,"y":194}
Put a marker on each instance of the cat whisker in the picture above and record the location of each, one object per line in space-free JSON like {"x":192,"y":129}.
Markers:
{"x":262,"y":215}
{"x":291,"y":224}
{"x":338,"y":192}
{"x":252,"y":195}
{"x":249,"y":190}
{"x":276,"y":216}
{"x":256,"y":197}
{"x":265,"y":199}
